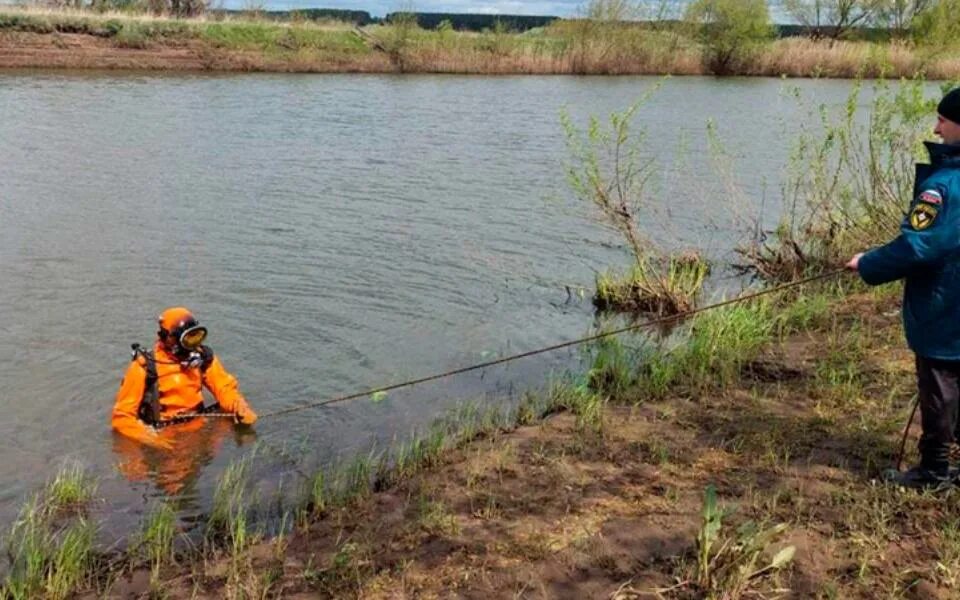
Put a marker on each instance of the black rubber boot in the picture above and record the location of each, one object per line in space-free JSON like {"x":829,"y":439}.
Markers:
{"x":920,"y":477}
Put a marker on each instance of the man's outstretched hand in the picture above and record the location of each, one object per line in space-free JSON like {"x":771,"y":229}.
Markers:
{"x":854,"y":263}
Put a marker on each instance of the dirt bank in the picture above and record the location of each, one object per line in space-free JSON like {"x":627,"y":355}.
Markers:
{"x":80,"y":51}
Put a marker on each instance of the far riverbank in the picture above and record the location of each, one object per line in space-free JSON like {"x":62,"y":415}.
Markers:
{"x":81,"y":40}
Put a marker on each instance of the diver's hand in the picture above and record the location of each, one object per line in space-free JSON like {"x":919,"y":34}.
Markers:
{"x":245,"y":416}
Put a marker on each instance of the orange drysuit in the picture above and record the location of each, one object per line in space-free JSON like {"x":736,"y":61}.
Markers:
{"x":178,"y":391}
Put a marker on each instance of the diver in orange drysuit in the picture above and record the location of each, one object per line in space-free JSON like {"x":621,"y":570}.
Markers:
{"x":162,"y":384}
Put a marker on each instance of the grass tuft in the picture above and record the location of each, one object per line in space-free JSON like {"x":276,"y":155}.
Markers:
{"x":719,"y":343}
{"x":157,"y":537}
{"x":648,"y":288}
{"x":50,"y":545}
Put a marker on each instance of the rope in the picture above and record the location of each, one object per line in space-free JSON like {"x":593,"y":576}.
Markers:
{"x":513,"y":357}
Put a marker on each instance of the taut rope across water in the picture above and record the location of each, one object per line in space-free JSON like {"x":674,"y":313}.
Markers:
{"x":513,"y":357}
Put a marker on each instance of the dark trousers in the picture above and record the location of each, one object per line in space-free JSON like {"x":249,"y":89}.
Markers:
{"x":938,"y":384}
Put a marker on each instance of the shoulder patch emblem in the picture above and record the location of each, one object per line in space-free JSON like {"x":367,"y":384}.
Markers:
{"x":922,"y":216}
{"x":931,"y":197}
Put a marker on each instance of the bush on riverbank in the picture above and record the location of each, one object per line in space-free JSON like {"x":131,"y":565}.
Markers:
{"x":662,"y":285}
{"x":849,"y":182}
{"x":729,"y":31}
{"x":611,"y":169}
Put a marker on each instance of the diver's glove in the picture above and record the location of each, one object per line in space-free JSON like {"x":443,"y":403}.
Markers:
{"x":245,"y":415}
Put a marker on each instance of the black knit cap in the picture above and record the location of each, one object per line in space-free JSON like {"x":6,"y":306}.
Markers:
{"x":949,"y":107}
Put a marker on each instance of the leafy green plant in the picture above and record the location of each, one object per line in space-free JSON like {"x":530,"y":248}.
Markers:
{"x":728,"y":563}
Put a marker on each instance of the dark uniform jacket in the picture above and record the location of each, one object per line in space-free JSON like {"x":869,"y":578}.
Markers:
{"x":927,"y":254}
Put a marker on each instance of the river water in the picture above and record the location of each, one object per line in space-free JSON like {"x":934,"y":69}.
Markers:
{"x":334,"y":233}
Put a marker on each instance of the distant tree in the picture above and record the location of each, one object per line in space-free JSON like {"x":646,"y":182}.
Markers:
{"x":659,"y":10}
{"x":833,"y":18}
{"x":898,"y":15}
{"x":400,"y":32}
{"x":610,"y":10}
{"x":729,"y":30}
{"x":938,"y":26}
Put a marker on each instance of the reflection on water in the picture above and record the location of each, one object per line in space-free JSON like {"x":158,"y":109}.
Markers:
{"x":174,"y":472}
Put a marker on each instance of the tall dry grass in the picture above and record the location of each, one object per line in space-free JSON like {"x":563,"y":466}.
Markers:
{"x":612,"y":50}
{"x":803,"y":57}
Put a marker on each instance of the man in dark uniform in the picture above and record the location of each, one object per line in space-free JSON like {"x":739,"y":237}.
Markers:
{"x":927,"y":255}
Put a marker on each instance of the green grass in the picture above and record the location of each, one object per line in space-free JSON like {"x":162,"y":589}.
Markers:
{"x":71,"y":488}
{"x":71,"y":560}
{"x":229,"y":515}
{"x":807,"y":311}
{"x":137,"y":32}
{"x":586,"y":404}
{"x":435,"y":517}
{"x":50,"y":545}
{"x":612,"y":366}
{"x":316,"y":500}
{"x":157,"y":537}
{"x":717,"y":346}
{"x":271,"y":36}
